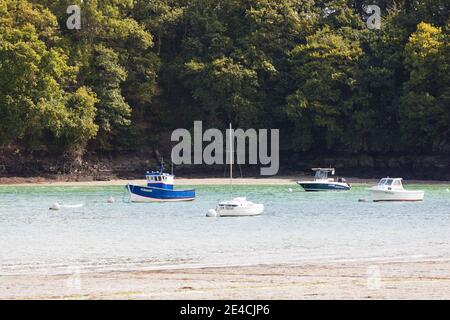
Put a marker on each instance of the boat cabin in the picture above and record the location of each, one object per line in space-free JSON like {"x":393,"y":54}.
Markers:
{"x":159,"y":179}
{"x":230,"y":205}
{"x":226,"y":206}
{"x":391,"y":184}
{"x":322,"y":173}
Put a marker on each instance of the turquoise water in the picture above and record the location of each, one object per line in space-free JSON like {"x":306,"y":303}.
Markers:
{"x":296,"y":227}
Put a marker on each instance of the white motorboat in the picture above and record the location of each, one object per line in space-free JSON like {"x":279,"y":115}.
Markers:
{"x":323,"y":183}
{"x":238,"y":207}
{"x":391,"y":189}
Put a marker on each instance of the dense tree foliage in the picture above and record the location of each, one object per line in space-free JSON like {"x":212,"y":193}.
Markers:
{"x":139,"y":68}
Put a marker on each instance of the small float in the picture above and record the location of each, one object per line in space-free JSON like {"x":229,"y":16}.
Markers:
{"x":323,"y":183}
{"x":159,"y":189}
{"x":57,"y":206}
{"x":391,"y":189}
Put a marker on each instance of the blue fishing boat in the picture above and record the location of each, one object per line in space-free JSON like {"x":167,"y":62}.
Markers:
{"x":159,"y":189}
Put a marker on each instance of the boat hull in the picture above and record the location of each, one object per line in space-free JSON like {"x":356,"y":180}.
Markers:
{"x":151,"y":194}
{"x":254,"y":210}
{"x":312,"y":186}
{"x":396,"y":195}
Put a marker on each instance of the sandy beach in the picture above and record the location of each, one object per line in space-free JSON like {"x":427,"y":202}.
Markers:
{"x":275,"y":180}
{"x":337,"y":280}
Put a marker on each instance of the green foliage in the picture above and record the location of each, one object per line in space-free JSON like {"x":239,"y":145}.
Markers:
{"x":80,"y":126}
{"x":425,"y":108}
{"x":324,"y":69}
{"x":33,"y":75}
{"x":112,"y":110}
{"x":224,"y":89}
{"x":140,"y":68}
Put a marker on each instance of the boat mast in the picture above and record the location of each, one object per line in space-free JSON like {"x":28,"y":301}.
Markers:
{"x":231,"y":158}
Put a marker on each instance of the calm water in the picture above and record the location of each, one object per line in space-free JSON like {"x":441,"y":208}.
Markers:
{"x":296,"y":227}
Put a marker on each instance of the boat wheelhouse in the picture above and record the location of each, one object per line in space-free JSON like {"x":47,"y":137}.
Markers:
{"x":391,"y":189}
{"x":323,"y":183}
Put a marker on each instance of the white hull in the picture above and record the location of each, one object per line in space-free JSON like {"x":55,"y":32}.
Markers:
{"x":396,"y":195}
{"x":253,"y":210}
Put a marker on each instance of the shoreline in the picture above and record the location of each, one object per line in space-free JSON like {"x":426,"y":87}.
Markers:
{"x":336,"y":280}
{"x":277,"y":180}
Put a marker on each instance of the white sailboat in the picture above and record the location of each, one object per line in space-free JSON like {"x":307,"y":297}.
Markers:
{"x":237,"y":207}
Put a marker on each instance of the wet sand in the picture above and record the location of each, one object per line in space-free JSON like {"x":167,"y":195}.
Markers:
{"x":337,"y":280}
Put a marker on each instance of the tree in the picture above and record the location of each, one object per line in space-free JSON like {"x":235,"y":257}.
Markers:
{"x":425,"y":104}
{"x":113,"y":52}
{"x":380,"y":77}
{"x":224,"y":88}
{"x":324,"y":71}
{"x":34,"y":77}
{"x":106,"y":78}
{"x":79,"y":125}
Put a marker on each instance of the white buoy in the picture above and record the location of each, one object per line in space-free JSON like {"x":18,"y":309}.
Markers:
{"x":448,"y":190}
{"x":111,"y":199}
{"x":56,"y":206}
{"x":290,"y":189}
{"x":212,"y":213}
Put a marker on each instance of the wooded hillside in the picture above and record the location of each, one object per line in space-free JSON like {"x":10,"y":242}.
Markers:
{"x":140,"y":68}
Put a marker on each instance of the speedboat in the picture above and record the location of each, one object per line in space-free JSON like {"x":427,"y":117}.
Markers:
{"x":159,"y":189}
{"x":323,"y":183}
{"x":391,"y":189}
{"x":236,"y":208}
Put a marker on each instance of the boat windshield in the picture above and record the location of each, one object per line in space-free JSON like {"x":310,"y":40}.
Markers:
{"x":227,"y":206}
{"x":321,"y":175}
{"x":385,"y":182}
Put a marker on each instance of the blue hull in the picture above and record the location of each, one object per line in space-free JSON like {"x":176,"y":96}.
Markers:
{"x":324,"y":187}
{"x":152,"y":194}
